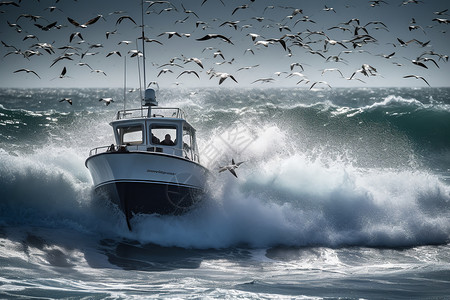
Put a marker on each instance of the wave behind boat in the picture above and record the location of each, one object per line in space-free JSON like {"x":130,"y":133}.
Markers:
{"x":346,"y":167}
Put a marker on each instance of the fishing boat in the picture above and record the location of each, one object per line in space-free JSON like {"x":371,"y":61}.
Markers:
{"x":153,"y":167}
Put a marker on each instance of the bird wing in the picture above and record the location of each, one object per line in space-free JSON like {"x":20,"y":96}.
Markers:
{"x":73,"y":22}
{"x":424,"y":80}
{"x":223,"y":169}
{"x":231,"y":76}
{"x":93,"y":20}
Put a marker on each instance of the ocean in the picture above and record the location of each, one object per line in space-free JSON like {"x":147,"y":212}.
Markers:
{"x":343,"y":194}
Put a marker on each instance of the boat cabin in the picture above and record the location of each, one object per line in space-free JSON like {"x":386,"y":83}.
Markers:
{"x":157,"y":133}
{"x":153,"y":129}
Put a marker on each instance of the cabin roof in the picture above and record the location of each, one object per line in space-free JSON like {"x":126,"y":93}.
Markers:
{"x":158,"y":115}
{"x":149,"y":113}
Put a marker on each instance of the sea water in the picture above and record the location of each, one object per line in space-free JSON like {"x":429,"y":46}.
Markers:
{"x":343,"y":193}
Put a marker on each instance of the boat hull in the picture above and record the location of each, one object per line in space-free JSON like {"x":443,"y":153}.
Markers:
{"x":146,"y":182}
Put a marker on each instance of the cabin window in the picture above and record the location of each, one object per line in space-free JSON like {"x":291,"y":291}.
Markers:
{"x":189,"y":142}
{"x":158,"y":134}
{"x":131,"y":135}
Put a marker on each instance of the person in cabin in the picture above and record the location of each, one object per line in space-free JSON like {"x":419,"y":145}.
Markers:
{"x":167,"y":141}
{"x":155,"y":140}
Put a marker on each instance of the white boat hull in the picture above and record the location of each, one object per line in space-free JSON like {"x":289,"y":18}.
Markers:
{"x":147,"y":182}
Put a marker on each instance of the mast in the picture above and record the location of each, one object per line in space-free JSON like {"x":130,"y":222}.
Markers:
{"x":149,"y":96}
{"x":124,"y":82}
{"x":143,"y":43}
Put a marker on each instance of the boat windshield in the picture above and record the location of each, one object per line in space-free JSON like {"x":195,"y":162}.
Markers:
{"x":131,"y":135}
{"x":163,"y":134}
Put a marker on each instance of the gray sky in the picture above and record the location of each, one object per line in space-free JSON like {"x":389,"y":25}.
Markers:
{"x":304,"y":44}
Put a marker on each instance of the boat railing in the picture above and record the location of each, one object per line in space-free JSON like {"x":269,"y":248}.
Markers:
{"x":164,"y":112}
{"x":130,"y":148}
{"x":98,"y":150}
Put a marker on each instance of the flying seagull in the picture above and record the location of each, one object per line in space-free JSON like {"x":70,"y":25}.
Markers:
{"x":214,"y":36}
{"x":120,"y":19}
{"x":69,"y":100}
{"x":417,"y":77}
{"x":231,"y":167}
{"x":224,"y":76}
{"x":106,"y":100}
{"x":28,"y":71}
{"x":90,"y":22}
{"x":189,"y":72}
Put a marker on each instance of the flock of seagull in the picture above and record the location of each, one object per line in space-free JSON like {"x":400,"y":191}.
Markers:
{"x":317,"y":43}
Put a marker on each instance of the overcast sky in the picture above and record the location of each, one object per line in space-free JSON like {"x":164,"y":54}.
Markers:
{"x":315,"y":45}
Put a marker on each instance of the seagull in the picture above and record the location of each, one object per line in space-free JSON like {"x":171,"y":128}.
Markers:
{"x":264,"y":80}
{"x":329,"y":9}
{"x":239,"y":7}
{"x":425,"y":59}
{"x":85,"y":25}
{"x":317,"y":82}
{"x":28,"y":71}
{"x":387,"y":56}
{"x":189,"y":72}
{"x":170,"y":34}
{"x":194,"y":59}
{"x":417,"y":77}
{"x":106,"y":100}
{"x":47,"y":27}
{"x":108,"y":33}
{"x":46,"y":46}
{"x":215,"y":36}
{"x":52,"y":8}
{"x":333,"y":42}
{"x":253,"y":36}
{"x":65,"y":56}
{"x":296,"y":64}
{"x":135,"y":53}
{"x":296,"y":74}
{"x":440,"y":13}
{"x":332,"y":69}
{"x":98,"y":71}
{"x":30,"y":36}
{"x":218,"y":53}
{"x":189,"y":11}
{"x":78,"y":34}
{"x":224,"y":76}
{"x":114,"y":52}
{"x":153,"y":83}
{"x":69,"y":100}
{"x":207,"y":0}
{"x":247,"y":68}
{"x":366,"y":70}
{"x":147,"y":40}
{"x":249,"y":50}
{"x":9,"y":3}
{"x":231,"y":24}
{"x":84,"y":64}
{"x":164,"y":71}
{"x":96,"y":46}
{"x":231,"y":167}
{"x":443,"y":21}
{"x":120,"y":19}
{"x":63,"y":73}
